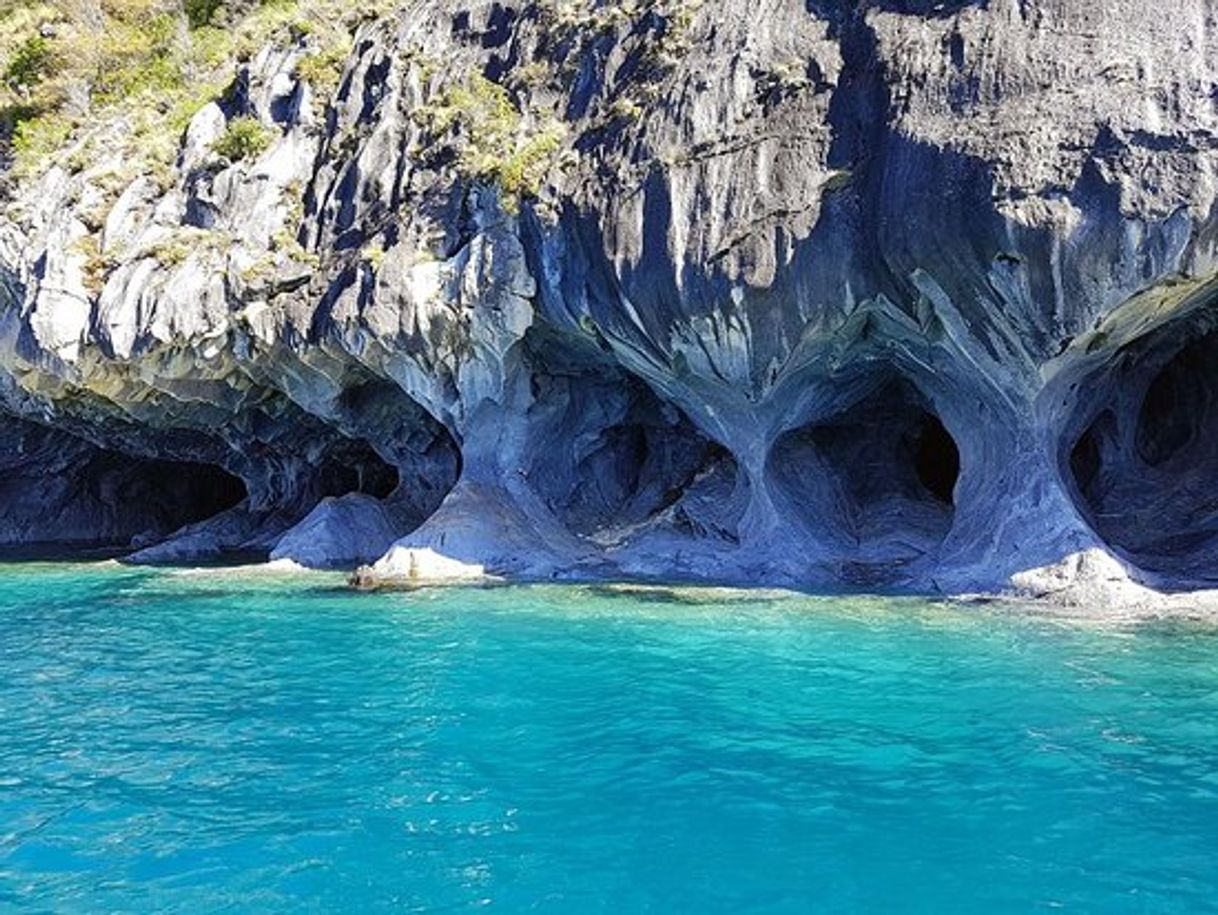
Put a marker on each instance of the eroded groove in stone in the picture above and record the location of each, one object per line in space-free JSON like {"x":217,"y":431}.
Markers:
{"x":354,"y":466}
{"x":617,"y":456}
{"x":409,"y":459}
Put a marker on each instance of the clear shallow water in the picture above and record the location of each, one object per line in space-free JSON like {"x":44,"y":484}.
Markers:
{"x":213,"y":741}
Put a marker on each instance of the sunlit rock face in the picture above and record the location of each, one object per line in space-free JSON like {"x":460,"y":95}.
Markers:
{"x":887,"y":295}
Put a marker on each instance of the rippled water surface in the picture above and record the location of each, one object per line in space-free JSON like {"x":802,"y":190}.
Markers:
{"x":221,"y":741}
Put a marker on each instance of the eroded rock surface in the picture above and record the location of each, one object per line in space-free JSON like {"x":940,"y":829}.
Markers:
{"x":891,"y":295}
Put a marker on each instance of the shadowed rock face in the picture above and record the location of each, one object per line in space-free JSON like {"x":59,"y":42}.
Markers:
{"x":605,"y":453}
{"x":1145,"y":466}
{"x":901,"y":294}
{"x":60,"y":490}
{"x":879,"y":478}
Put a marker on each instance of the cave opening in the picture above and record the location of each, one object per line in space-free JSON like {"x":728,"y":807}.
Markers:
{"x":393,"y":450}
{"x":878,"y":477}
{"x":613,"y":456}
{"x":1145,"y":468}
{"x":937,"y":460}
{"x":640,"y":465}
{"x":1085,"y":456}
{"x":355,"y":467}
{"x":57,"y":488}
{"x":171,"y":494}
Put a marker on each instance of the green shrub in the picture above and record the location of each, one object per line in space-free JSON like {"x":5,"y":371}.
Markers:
{"x":522,"y":173}
{"x":324,"y":68}
{"x":495,"y":144}
{"x":374,"y":254}
{"x":96,"y":264}
{"x":244,"y":138}
{"x":31,"y":63}
{"x":35,"y":138}
{"x":171,"y":253}
{"x":201,"y":12}
{"x":625,"y":109}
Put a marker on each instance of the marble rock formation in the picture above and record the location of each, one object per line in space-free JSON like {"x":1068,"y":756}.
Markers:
{"x":892,"y":295}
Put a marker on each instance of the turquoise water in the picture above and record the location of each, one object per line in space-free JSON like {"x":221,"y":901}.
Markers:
{"x":216,"y":741}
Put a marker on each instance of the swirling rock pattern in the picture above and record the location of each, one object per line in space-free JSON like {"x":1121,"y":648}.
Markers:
{"x":892,"y":294}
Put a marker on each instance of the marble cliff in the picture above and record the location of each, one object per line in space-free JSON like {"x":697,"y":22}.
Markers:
{"x":885,"y":294}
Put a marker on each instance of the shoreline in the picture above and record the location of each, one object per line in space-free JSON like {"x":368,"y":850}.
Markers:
{"x":1087,"y":589}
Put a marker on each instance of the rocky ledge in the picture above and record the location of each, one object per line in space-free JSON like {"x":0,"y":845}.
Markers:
{"x":891,"y":295}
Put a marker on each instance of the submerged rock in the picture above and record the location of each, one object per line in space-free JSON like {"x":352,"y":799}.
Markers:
{"x":886,"y":295}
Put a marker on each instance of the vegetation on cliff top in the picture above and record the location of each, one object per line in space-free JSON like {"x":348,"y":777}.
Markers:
{"x":108,"y":87}
{"x":67,"y":63}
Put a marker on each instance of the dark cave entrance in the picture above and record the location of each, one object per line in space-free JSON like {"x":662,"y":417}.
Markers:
{"x":611,"y":455}
{"x":355,"y":467}
{"x":641,"y":464}
{"x":1145,"y":469}
{"x":167,"y":494}
{"x":880,"y":475}
{"x":937,"y":459}
{"x":637,"y":470}
{"x":56,"y":488}
{"x":392,"y":449}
